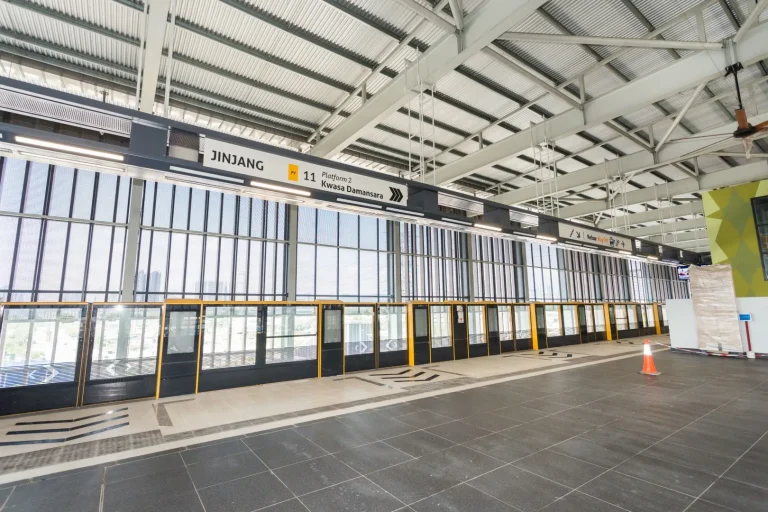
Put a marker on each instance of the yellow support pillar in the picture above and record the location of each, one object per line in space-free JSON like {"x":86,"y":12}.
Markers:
{"x":411,"y":337}
{"x":608,"y":334}
{"x":656,"y":318}
{"x":534,"y":330}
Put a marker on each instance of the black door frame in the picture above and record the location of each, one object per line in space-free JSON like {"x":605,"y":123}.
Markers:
{"x":178,"y":373}
{"x":332,"y":352}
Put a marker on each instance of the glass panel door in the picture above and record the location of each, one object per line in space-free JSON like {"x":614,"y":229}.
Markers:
{"x":522,"y":322}
{"x":440,"y":333}
{"x":631,"y":316}
{"x":476,"y":328}
{"x":570,"y":323}
{"x":554,"y":328}
{"x":599,"y":318}
{"x":590,"y":317}
{"x":358,"y":330}
{"x":505,"y":323}
{"x":621,"y":317}
{"x":178,"y":375}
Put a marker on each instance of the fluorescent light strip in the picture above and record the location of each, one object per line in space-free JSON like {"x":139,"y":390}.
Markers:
{"x":404,"y":212}
{"x":263,"y":194}
{"x":278,"y":188}
{"x":653,"y":258}
{"x":629,"y":253}
{"x":489,"y":228}
{"x":78,"y":163}
{"x":547,"y":238}
{"x":358,"y":203}
{"x":66,"y":147}
{"x":207,"y":174}
{"x":529,"y":235}
{"x":192,"y":181}
{"x":452,"y":221}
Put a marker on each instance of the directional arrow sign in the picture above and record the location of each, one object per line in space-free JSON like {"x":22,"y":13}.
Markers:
{"x":397,"y":195}
{"x":431,"y":377}
{"x":50,"y":374}
{"x":412,"y":376}
{"x":388,"y":374}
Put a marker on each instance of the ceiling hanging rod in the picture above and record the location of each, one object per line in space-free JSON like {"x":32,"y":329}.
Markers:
{"x":610,"y":41}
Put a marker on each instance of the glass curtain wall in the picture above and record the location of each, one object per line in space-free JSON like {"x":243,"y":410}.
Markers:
{"x":343,"y":256}
{"x":615,"y":279}
{"x":583,"y":272}
{"x":558,"y":275}
{"x":665,"y":284}
{"x":62,"y":232}
{"x":498,"y":269}
{"x":197,"y":243}
{"x":434,"y":264}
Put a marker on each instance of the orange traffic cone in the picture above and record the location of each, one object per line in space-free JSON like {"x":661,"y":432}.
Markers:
{"x":648,"y":367}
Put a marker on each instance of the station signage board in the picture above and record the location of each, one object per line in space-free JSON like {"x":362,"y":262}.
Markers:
{"x":263,"y":165}
{"x":590,"y":236}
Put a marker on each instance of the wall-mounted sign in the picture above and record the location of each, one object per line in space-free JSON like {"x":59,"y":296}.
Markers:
{"x":590,"y":236}
{"x":260,"y":164}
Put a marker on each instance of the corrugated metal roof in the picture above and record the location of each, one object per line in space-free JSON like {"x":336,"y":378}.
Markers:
{"x":104,"y":13}
{"x":69,"y":36}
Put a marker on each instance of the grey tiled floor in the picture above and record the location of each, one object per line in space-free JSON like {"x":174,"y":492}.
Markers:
{"x":599,"y":438}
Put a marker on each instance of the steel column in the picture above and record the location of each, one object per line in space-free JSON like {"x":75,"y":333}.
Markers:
{"x":132,"y":241}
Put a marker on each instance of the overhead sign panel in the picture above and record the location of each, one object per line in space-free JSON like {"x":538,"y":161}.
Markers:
{"x":590,"y":236}
{"x":264,"y":165}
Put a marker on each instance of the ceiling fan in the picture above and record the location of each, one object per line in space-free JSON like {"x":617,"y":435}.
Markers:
{"x":745,"y":132}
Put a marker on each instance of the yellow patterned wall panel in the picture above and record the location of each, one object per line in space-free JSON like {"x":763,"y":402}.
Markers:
{"x":732,"y":236}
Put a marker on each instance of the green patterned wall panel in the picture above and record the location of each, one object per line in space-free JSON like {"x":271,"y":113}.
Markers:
{"x":732,"y":237}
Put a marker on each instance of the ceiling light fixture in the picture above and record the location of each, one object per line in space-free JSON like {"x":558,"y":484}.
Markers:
{"x":404,"y":212}
{"x":489,"y":228}
{"x":278,"y":188}
{"x":453,"y":221}
{"x":77,"y":163}
{"x":358,"y":203}
{"x":546,"y":238}
{"x":66,"y":147}
{"x":201,"y":183}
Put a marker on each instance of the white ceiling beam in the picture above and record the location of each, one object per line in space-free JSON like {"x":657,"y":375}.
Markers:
{"x":481,"y":27}
{"x":680,"y":115}
{"x":667,"y":227}
{"x":672,"y":212}
{"x":458,"y":13}
{"x":700,"y":245}
{"x":157,"y":18}
{"x":680,"y":150}
{"x":738,"y":155}
{"x":753,"y":17}
{"x":699,"y":234}
{"x":663,"y":44}
{"x":393,"y":50}
{"x":428,"y":14}
{"x":754,"y":171}
{"x":681,"y":75}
